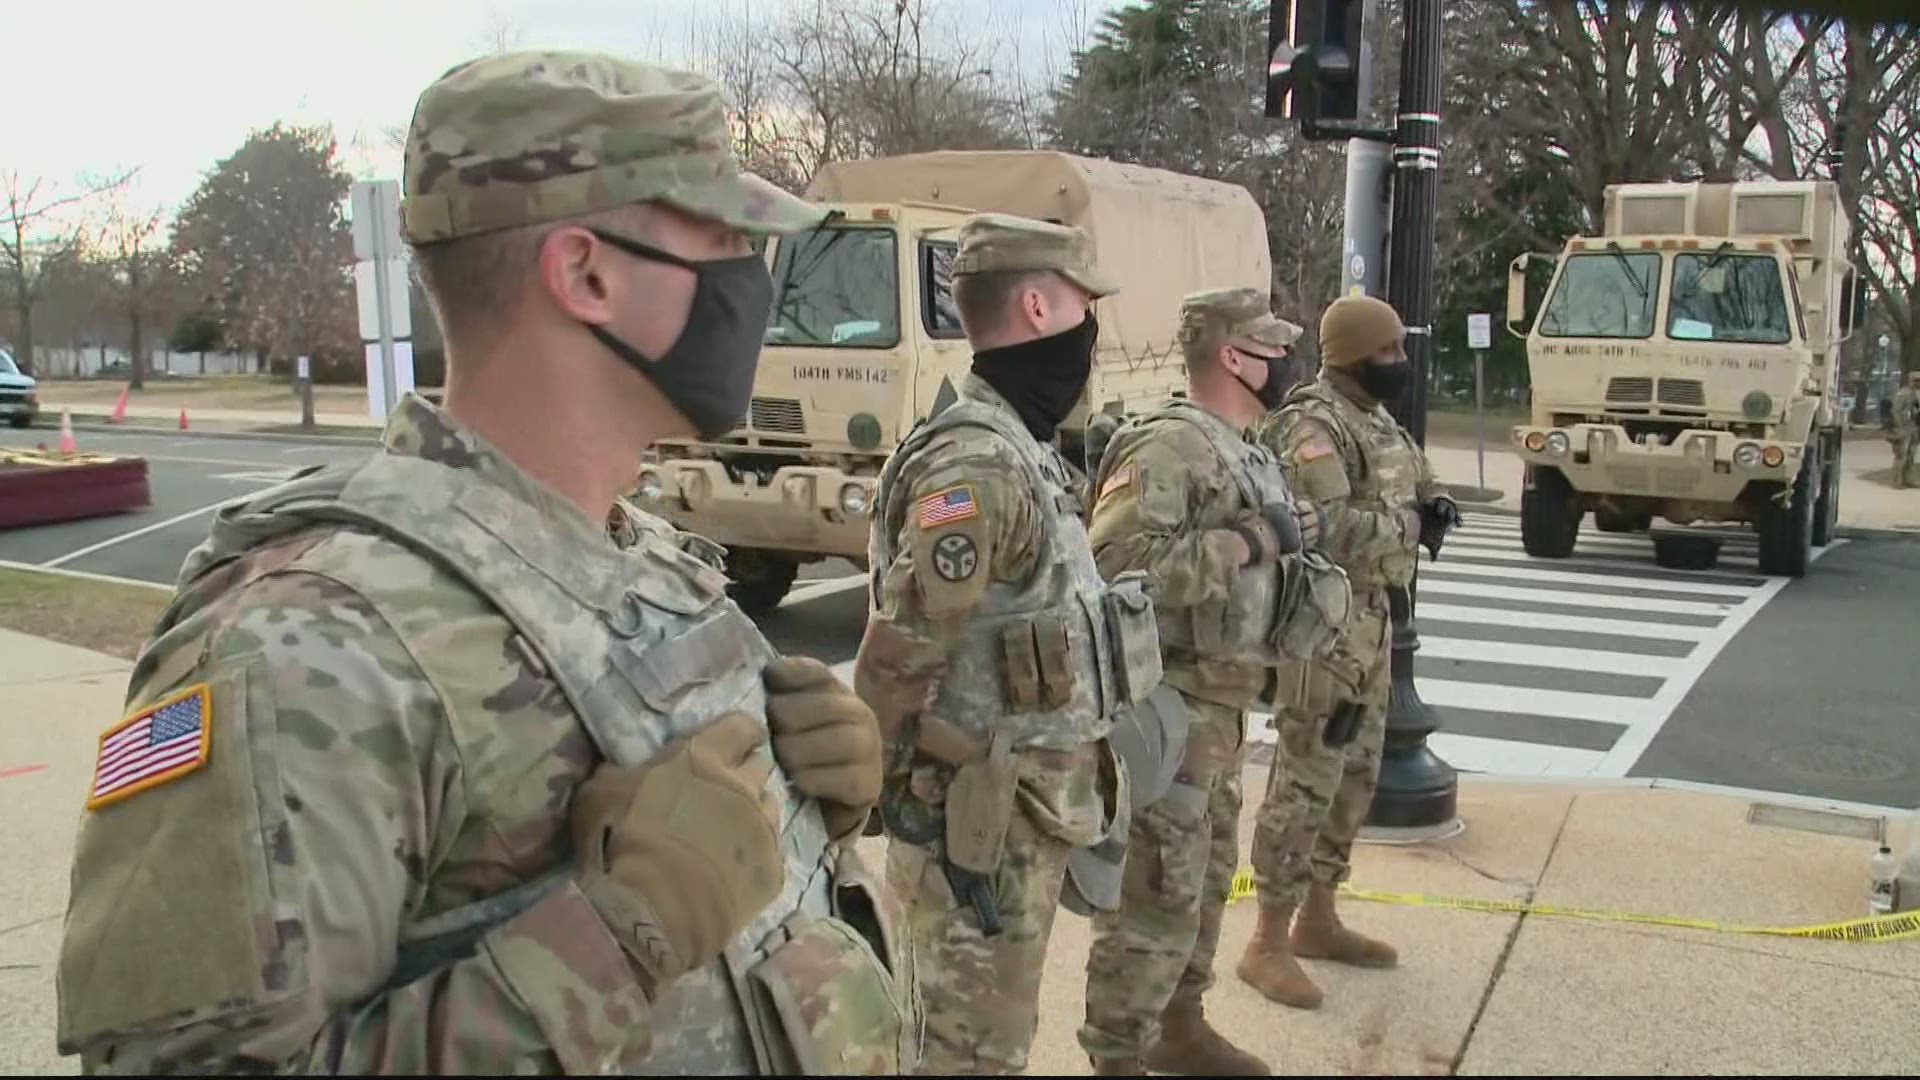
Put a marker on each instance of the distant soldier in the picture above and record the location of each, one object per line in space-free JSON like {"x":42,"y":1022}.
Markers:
{"x":995,"y":655}
{"x":1378,"y":502}
{"x":449,"y":761}
{"x":1207,"y":514}
{"x":1906,"y":428}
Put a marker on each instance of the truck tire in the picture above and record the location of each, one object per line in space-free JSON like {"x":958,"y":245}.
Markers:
{"x":1609,"y":522}
{"x":1826,"y":511}
{"x":758,"y":579}
{"x":1786,"y":532}
{"x":1685,"y":552}
{"x":1549,"y":516}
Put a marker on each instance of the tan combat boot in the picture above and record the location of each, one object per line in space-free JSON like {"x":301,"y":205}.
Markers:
{"x":1268,"y":964}
{"x":1189,"y":1046}
{"x":1318,"y":935}
{"x":1117,"y":1066}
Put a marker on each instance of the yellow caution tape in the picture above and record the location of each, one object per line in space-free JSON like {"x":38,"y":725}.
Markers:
{"x":1877,"y":928}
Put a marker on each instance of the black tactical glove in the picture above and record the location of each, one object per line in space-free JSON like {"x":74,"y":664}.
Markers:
{"x":1285,"y":521}
{"x":1438,"y":516}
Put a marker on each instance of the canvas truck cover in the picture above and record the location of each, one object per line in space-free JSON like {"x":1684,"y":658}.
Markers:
{"x":1161,"y":233}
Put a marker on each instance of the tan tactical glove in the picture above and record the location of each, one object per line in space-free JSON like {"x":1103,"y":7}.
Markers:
{"x":1257,"y":542}
{"x":678,"y":854}
{"x":826,"y":739}
{"x":1310,"y":523}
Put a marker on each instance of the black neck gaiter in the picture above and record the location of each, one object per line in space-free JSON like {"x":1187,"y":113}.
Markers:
{"x":1042,"y":379}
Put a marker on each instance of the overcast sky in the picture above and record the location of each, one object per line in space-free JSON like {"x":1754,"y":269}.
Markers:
{"x":172,"y":86}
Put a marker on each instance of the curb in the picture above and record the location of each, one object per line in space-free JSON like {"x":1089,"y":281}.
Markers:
{"x":372,"y":438}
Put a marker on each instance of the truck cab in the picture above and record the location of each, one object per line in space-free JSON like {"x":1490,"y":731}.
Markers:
{"x":1684,"y":366}
{"x":864,"y":342}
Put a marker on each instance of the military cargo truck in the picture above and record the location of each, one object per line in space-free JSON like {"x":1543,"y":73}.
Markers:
{"x":864,"y":341}
{"x":1685,"y":366}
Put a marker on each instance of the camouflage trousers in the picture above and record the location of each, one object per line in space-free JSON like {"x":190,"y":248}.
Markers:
{"x":1317,"y":795}
{"x":980,"y":996}
{"x":1181,"y":856}
{"x":1903,"y":448}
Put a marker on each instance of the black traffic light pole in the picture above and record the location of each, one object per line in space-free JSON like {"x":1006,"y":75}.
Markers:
{"x":1327,"y":49}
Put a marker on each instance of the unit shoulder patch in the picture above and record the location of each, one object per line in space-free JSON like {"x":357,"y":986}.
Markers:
{"x":159,"y":743}
{"x":1122,"y":478}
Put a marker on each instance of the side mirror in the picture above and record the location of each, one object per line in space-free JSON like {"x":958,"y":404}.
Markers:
{"x":1517,"y":295}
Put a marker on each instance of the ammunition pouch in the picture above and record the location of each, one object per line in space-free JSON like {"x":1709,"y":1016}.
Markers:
{"x":1315,"y":600}
{"x":1136,"y":636}
{"x":980,"y":806}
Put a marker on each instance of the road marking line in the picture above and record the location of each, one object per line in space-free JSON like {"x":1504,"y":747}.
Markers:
{"x":1512,"y":758}
{"x":1548,"y":656}
{"x":1634,"y":742}
{"x":1575,"y":577}
{"x":1537,"y":620}
{"x":1482,"y":553}
{"x":137,"y":533}
{"x":828,"y":587}
{"x":1436,"y":587}
{"x":1529,"y":701}
{"x":7,"y":564}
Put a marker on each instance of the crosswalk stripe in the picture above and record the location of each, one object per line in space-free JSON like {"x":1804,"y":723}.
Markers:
{"x":1497,"y":697}
{"x":1430,"y":586}
{"x":1472,"y":753}
{"x":1556,"y":576}
{"x":1545,"y":621}
{"x":1550,"y":656}
{"x":1482,"y":553}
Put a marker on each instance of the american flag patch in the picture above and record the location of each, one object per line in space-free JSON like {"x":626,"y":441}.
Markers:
{"x":1118,"y":480}
{"x":946,"y":507}
{"x":1314,"y":450}
{"x":153,"y":746}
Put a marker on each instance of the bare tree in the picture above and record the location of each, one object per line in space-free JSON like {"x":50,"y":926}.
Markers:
{"x":866,"y":78}
{"x":41,"y":225}
{"x":140,"y":269}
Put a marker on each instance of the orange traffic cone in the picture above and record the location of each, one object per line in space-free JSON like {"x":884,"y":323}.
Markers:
{"x":67,"y":445}
{"x":183,"y":419}
{"x":119,"y":408}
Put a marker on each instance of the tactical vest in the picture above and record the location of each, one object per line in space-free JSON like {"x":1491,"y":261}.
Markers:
{"x":647,"y":649}
{"x":1383,"y":473}
{"x":1047,"y":662}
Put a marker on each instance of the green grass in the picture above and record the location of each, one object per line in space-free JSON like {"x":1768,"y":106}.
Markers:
{"x":98,"y":615}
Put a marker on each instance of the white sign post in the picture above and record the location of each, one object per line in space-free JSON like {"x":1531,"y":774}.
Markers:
{"x":380,"y":286}
{"x":1480,"y":339}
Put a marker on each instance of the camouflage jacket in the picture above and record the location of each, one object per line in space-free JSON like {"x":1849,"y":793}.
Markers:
{"x":965,"y":533}
{"x":386,"y":748}
{"x":1165,"y":498}
{"x":1359,"y":469}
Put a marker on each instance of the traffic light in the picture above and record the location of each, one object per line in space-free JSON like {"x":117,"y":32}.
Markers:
{"x":1320,"y":65}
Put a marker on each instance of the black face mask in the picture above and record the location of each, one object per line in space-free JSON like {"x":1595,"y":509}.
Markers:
{"x":1272,"y":393}
{"x":708,"y":372}
{"x":1042,"y":379}
{"x":1384,"y":381}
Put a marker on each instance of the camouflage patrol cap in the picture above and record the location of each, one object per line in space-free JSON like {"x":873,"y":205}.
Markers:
{"x":1000,"y":242}
{"x":531,"y":137}
{"x":1234,"y":315}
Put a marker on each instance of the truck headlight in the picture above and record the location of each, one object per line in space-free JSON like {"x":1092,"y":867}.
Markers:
{"x":1558,"y":443}
{"x":650,"y":486}
{"x":1747,"y":456}
{"x":1757,"y":405}
{"x":853,"y":500}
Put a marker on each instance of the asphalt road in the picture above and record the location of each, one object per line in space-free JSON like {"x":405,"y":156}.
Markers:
{"x":1599,"y":665}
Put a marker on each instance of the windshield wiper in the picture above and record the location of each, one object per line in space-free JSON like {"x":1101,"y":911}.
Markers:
{"x":1719,"y":253}
{"x":1626,"y":267}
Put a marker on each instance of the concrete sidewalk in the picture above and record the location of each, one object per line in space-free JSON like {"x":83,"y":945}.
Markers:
{"x":1475,"y":992}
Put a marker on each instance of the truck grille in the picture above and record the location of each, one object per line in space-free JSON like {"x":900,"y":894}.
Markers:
{"x":10,"y":397}
{"x":1682,"y":392}
{"x":777,"y":414}
{"x":1630,"y":389}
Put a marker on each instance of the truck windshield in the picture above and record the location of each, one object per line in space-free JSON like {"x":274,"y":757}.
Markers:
{"x":1727,"y":297}
{"x":1604,"y":295}
{"x":836,"y":287}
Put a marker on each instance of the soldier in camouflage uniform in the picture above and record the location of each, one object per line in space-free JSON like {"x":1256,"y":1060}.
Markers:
{"x":1906,"y":428}
{"x":448,"y":760}
{"x":1378,"y":501}
{"x":988,"y":656}
{"x":1184,"y":496}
